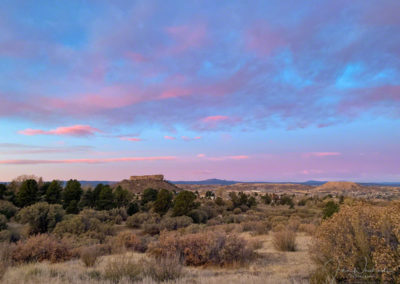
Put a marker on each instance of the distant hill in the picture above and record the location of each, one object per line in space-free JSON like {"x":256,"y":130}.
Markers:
{"x":208,"y":182}
{"x":138,"y":184}
{"x":339,"y":186}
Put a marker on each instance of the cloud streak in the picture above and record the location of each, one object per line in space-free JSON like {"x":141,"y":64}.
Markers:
{"x":75,"y":130}
{"x":86,"y":161}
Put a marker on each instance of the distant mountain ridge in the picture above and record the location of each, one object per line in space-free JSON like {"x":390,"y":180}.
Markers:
{"x":216,"y":181}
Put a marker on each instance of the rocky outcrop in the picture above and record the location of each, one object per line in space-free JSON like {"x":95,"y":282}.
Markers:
{"x":138,"y":184}
{"x":148,"y":177}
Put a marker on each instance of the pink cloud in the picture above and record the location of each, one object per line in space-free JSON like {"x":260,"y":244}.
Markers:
{"x":169,"y":137}
{"x":201,"y":155}
{"x":85,"y":161}
{"x":174,"y":93}
{"x":215,"y":118}
{"x":190,"y":138}
{"x":132,"y":139}
{"x":75,"y":130}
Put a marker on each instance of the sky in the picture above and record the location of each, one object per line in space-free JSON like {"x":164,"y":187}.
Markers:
{"x":249,"y":91}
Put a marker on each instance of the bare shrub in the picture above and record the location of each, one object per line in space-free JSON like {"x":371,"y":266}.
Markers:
{"x":363,"y":240}
{"x":257,"y":227}
{"x":285,"y":240}
{"x":122,"y":267}
{"x":130,"y":241}
{"x":41,"y":247}
{"x":89,"y":255}
{"x":203,"y":248}
{"x":175,"y":223}
{"x":163,"y":269}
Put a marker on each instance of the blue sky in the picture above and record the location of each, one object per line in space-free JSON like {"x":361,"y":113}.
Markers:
{"x":200,"y":89}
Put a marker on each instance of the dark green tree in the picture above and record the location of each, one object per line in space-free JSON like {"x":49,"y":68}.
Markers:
{"x":133,"y":208}
{"x":163,"y":202}
{"x":243,"y":198}
{"x":251,"y":202}
{"x":3,"y":190}
{"x":184,"y":202}
{"x":53,"y":192}
{"x":87,"y":200}
{"x":27,"y":193}
{"x":330,"y":208}
{"x":71,"y":196}
{"x":72,"y":207}
{"x":149,"y":195}
{"x":106,"y":199}
{"x":42,"y":189}
{"x":209,"y":194}
{"x":97,"y":190}
{"x":266,"y":198}
{"x":122,"y":197}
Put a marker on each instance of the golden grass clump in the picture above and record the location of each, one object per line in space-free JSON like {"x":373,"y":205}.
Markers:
{"x":285,"y":240}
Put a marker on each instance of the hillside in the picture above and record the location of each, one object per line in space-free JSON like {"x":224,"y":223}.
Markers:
{"x":138,"y":184}
{"x":338,"y":186}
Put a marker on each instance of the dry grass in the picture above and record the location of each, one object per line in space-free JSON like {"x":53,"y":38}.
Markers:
{"x":285,"y":240}
{"x":272,"y":266}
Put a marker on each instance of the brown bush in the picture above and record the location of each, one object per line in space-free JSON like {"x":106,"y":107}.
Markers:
{"x":363,"y":241}
{"x":163,"y":269}
{"x":202,"y":248}
{"x":89,"y":255}
{"x":256,"y":227}
{"x":130,"y":241}
{"x":39,"y":248}
{"x":285,"y":240}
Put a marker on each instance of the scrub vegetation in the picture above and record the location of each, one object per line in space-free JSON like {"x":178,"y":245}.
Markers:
{"x":64,"y":233}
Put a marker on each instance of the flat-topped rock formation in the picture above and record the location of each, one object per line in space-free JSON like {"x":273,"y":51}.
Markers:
{"x":147,"y":177}
{"x":138,"y":184}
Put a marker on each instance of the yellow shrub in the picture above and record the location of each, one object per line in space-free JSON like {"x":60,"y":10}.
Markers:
{"x":362,"y":241}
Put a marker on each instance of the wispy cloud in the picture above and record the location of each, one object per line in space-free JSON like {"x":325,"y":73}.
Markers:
{"x":15,"y":148}
{"x":132,"y":139}
{"x":223,"y":158}
{"x":86,"y":161}
{"x":186,"y":138}
{"x":169,"y":137}
{"x":75,"y":130}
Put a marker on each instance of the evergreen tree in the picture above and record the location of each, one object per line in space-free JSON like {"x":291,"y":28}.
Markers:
{"x":184,"y":203}
{"x":88,"y":199}
{"x":3,"y":190}
{"x":106,"y":199}
{"x":133,"y":208}
{"x":53,"y":192}
{"x":148,"y":195}
{"x":163,"y":202}
{"x":27,"y":193}
{"x":72,"y":194}
{"x":72,"y":207}
{"x":122,"y":197}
